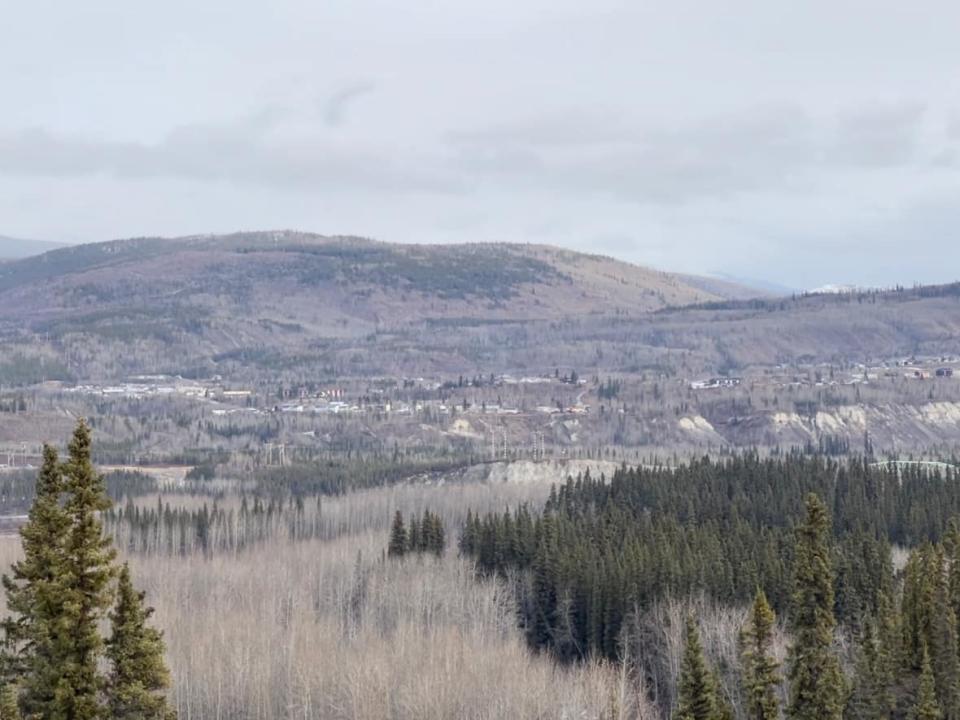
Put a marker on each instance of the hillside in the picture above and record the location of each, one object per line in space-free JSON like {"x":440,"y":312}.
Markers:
{"x":299,"y":302}
{"x":325,"y":285}
{"x":432,"y":346}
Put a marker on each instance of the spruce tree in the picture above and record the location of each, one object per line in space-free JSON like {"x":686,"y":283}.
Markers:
{"x":697,"y":691}
{"x":469,"y":535}
{"x":36,"y":647}
{"x":9,"y":708}
{"x":723,"y":709}
{"x":943,"y":642}
{"x":88,"y":572}
{"x":887,"y":633}
{"x":760,"y":669}
{"x":951,"y":544}
{"x":926,"y":707}
{"x":138,"y":676}
{"x":60,"y":592}
{"x":915,"y":607}
{"x":414,"y":538}
{"x":871,"y":697}
{"x":817,"y":685}
{"x":398,"y":537}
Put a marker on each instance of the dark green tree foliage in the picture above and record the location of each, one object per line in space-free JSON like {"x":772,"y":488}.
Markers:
{"x":817,"y":683}
{"x":760,"y":669}
{"x":929,"y":627}
{"x":697,"y":688}
{"x":426,"y":534}
{"x":335,"y":475}
{"x":138,"y":676}
{"x":601,"y":549}
{"x":36,"y":647}
{"x":88,"y":572}
{"x":887,"y":645}
{"x":951,"y":544}
{"x":413,"y":535}
{"x":926,"y":707}
{"x":871,"y":696}
{"x":398,"y":537}
{"x":433,"y":537}
{"x":60,"y":592}
{"x":943,"y":645}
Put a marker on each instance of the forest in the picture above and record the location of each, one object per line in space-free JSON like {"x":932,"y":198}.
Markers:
{"x":589,"y":568}
{"x":795,"y":586}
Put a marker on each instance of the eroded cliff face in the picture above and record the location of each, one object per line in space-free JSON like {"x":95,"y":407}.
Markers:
{"x":888,"y":426}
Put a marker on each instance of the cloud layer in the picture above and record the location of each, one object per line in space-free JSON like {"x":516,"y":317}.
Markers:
{"x":803,"y":146}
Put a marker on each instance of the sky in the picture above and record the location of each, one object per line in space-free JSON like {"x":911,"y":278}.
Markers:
{"x":796,"y":143}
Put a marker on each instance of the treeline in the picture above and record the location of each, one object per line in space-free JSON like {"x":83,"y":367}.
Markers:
{"x":210,"y":529}
{"x":897,"y":293}
{"x":20,"y":369}
{"x":335,"y":476}
{"x":17,"y":488}
{"x":600,"y":550}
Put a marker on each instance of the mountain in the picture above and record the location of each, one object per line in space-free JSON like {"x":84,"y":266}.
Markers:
{"x":17,"y":248}
{"x":263,"y":303}
{"x":334,"y":284}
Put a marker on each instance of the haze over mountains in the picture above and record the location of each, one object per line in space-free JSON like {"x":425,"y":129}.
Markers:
{"x":17,"y":248}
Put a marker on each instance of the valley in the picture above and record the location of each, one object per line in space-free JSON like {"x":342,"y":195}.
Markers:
{"x":249,"y":343}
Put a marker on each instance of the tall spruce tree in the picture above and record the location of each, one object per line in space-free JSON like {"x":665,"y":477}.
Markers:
{"x":760,"y":669}
{"x":697,"y":688}
{"x":915,"y":607}
{"x":397,"y":546}
{"x":887,"y":633}
{"x":60,"y":592}
{"x":926,"y":706}
{"x":724,"y":709}
{"x":943,"y":641}
{"x":89,"y":570}
{"x":414,"y":538}
{"x":817,"y":685}
{"x":871,"y":697}
{"x":138,"y":676}
{"x":951,"y":545}
{"x":36,"y":647}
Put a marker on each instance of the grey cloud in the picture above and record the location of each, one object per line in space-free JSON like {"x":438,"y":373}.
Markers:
{"x":710,"y":133}
{"x":335,"y":106}
{"x":242,"y":154}
{"x":764,"y":148}
{"x":880,"y":135}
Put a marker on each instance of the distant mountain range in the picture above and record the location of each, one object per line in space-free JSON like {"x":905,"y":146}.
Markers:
{"x":325,"y":283}
{"x":18,"y":248}
{"x":304,"y":303}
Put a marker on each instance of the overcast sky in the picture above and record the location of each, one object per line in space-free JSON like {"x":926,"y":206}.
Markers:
{"x":801,"y":143}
